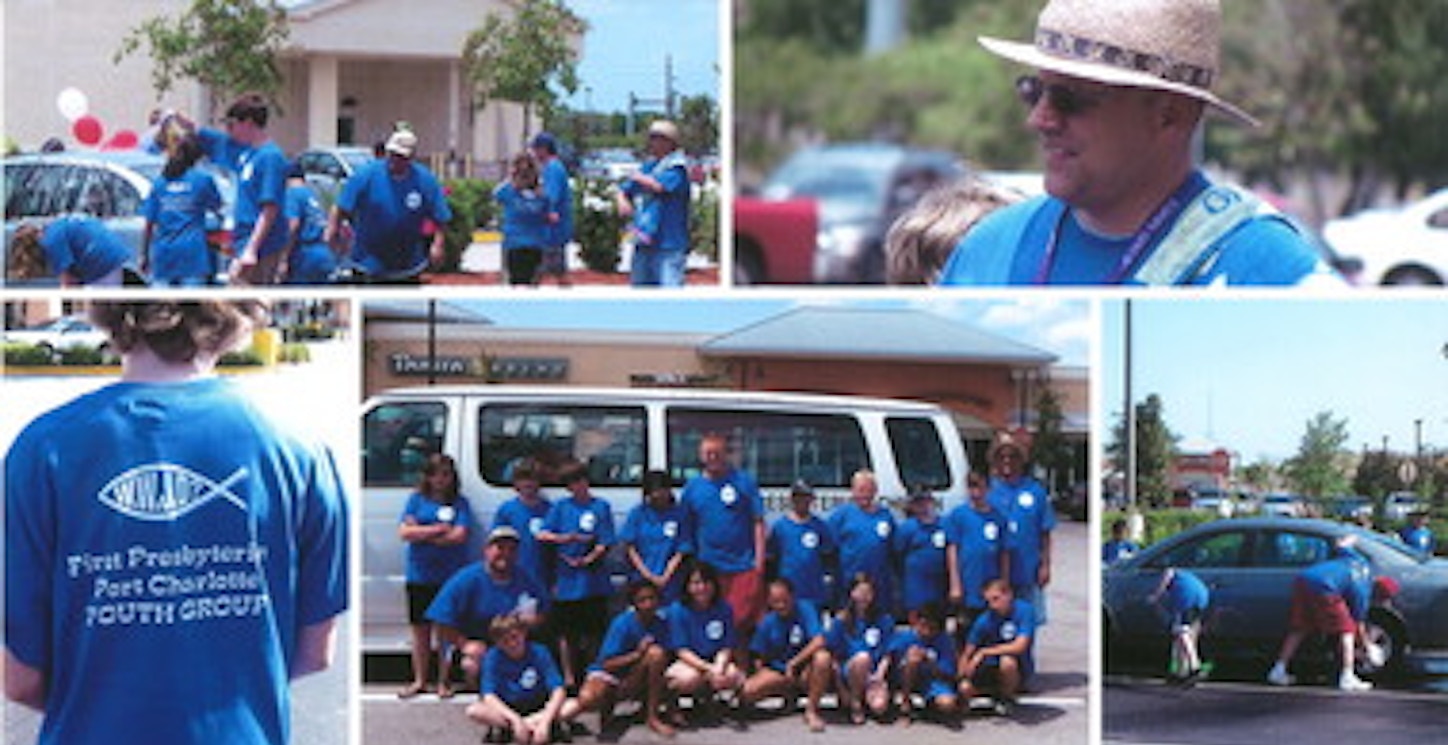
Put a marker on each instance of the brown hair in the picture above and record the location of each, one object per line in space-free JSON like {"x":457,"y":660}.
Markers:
{"x":524,"y":171}
{"x":434,"y":464}
{"x":26,"y":257}
{"x":249,"y":107}
{"x":504,"y":623}
{"x":178,"y":331}
{"x":921,"y":240}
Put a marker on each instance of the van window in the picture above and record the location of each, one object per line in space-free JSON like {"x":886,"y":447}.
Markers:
{"x":397,"y":438}
{"x":776,"y":448}
{"x":919,"y":454}
{"x":610,"y":440}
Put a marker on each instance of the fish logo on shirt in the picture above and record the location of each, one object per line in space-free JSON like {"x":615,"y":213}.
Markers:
{"x":160,"y":492}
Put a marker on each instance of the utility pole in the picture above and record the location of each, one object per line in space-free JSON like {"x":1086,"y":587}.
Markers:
{"x":668,"y":101}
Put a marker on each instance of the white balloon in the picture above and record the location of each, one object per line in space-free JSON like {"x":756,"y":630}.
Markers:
{"x":73,"y":104}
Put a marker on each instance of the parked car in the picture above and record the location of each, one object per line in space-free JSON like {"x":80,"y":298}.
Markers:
{"x":612,"y":164}
{"x":1249,"y":564}
{"x":860,"y":189}
{"x":1214,"y":501}
{"x":1283,"y":505}
{"x":326,"y":169}
{"x":58,"y":335}
{"x":774,"y":241}
{"x":1400,"y":504}
{"x":1406,"y":246}
{"x":110,"y":185}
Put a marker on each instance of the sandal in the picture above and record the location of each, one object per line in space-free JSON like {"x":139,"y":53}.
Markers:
{"x":445,"y":691}
{"x":411,"y":690}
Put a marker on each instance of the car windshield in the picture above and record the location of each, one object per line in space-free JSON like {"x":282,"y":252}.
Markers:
{"x":838,"y":180}
{"x":1387,"y":550}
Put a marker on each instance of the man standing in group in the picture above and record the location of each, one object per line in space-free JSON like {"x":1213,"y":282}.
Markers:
{"x":728,"y":515}
{"x":1120,"y":91}
{"x":1021,"y":500}
{"x":560,"y":208}
{"x":261,"y":167}
{"x":864,"y":531}
{"x":656,"y":197}
{"x":386,"y":202}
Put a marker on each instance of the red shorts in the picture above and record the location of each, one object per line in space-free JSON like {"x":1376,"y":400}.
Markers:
{"x":1314,"y":612}
{"x":745,"y":593}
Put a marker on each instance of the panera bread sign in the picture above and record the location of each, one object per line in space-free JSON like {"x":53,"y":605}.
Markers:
{"x":451,"y":367}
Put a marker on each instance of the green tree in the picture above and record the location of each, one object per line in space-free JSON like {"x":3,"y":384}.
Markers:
{"x":1049,"y":448}
{"x":699,"y":124}
{"x":520,"y":56}
{"x":1376,"y":475}
{"x":1318,"y":469}
{"x":230,"y":46}
{"x":1257,"y":475}
{"x":1155,"y":451}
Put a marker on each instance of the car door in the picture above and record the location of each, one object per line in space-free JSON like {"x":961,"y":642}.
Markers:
{"x":1250,"y":605}
{"x":1213,"y":556}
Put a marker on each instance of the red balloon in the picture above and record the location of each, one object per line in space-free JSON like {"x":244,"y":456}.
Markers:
{"x":88,"y":130}
{"x":123,"y":140}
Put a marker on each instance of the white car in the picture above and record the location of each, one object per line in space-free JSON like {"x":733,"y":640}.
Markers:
{"x":1405,"y":246}
{"x":1401,"y":504}
{"x":69,"y":332}
{"x":1283,"y":505}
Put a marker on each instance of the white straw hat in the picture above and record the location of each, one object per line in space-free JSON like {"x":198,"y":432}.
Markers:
{"x":1170,"y":45}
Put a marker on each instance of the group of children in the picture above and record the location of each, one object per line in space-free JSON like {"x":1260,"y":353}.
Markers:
{"x":679,"y":635}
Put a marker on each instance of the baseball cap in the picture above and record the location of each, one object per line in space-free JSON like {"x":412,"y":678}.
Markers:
{"x":402,"y":143}
{"x":503,"y":533}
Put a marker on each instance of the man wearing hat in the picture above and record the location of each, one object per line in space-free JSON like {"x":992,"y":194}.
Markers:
{"x":656,"y":197}
{"x":1029,"y":519}
{"x":386,"y":203}
{"x":560,"y":207}
{"x":471,"y":598}
{"x":1120,"y":89}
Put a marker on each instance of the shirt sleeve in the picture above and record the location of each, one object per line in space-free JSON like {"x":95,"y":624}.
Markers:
{"x":272,"y":176}
{"x":322,"y":573}
{"x":30,"y":560}
{"x":488,"y":678}
{"x":441,"y":211}
{"x":604,"y":530}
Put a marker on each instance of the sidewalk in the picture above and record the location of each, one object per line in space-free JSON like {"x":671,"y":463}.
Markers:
{"x":482,"y":264}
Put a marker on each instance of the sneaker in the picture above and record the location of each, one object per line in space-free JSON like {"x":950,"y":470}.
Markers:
{"x":1351,"y":682}
{"x":1279,"y":676}
{"x":1003,"y":707}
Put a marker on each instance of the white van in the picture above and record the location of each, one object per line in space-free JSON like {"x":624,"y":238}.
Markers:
{"x":619,"y":434}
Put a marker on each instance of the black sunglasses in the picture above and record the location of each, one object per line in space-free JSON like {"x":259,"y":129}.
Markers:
{"x":1067,"y":101}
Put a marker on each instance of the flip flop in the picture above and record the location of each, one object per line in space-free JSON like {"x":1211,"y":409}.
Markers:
{"x":411,"y":691}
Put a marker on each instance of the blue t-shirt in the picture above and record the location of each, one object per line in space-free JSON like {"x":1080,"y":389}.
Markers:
{"x":524,"y":683}
{"x":312,"y":261}
{"x":1010,"y":247}
{"x":1029,"y":516}
{"x":261,"y":180}
{"x":156,"y":529}
{"x":705,"y":632}
{"x":525,"y":217}
{"x":534,"y":557}
{"x":593,"y":519}
{"x":724,"y":513}
{"x":176,"y":208}
{"x":940,"y":657}
{"x":626,"y":632}
{"x":1421,"y":539}
{"x":872,"y":636}
{"x":1347,"y":575}
{"x":865,"y":540}
{"x":663,"y":216}
{"x":992,"y":628}
{"x":471,"y":598}
{"x":428,"y":563}
{"x":979,"y":538}
{"x":1114,"y":551}
{"x":658,"y":535}
{"x":778,"y":639}
{"x":921,"y":548}
{"x":387,"y":215}
{"x":1186,"y":592}
{"x":559,"y":194}
{"x":82,"y":246}
{"x":802,"y":549}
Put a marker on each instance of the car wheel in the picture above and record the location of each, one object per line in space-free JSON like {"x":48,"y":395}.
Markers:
{"x":1386,"y":631}
{"x":748,"y":269}
{"x":1412,"y":276}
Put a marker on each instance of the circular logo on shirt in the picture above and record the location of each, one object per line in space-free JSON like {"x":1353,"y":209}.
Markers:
{"x":413,"y":201}
{"x":527,"y":604}
{"x":247,"y":170}
{"x":446,"y":513}
{"x":535,"y":526}
{"x":872,"y":637}
{"x":671,"y":529}
{"x":796,"y":635}
{"x":529,"y":679}
{"x":991,"y":531}
{"x":714,"y":630}
{"x":1008,"y":630}
{"x":882,"y":530}
{"x":810,"y":540}
{"x":728,"y":495}
{"x":931,"y":654}
{"x":1026,"y":500}
{"x":937,"y":539}
{"x":587,"y":521}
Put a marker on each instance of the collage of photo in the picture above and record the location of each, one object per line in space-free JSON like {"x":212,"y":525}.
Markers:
{"x":724,"y":371}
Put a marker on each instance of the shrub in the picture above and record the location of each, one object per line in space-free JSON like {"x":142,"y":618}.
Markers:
{"x":472,"y":205}
{"x":26,"y":355}
{"x":1160,"y":524}
{"x":294,"y":353}
{"x":310,"y":331}
{"x":82,"y":356}
{"x":242,"y":358}
{"x":598,"y":226}
{"x":704,"y":223}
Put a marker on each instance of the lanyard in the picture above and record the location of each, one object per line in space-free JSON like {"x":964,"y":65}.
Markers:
{"x":1160,"y":220}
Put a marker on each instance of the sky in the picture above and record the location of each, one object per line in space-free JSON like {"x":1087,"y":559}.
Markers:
{"x":1061,"y":327}
{"x":1249,"y":374}
{"x":628,"y":41}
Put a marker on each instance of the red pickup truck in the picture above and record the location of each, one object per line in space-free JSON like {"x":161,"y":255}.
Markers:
{"x":774,"y":240}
